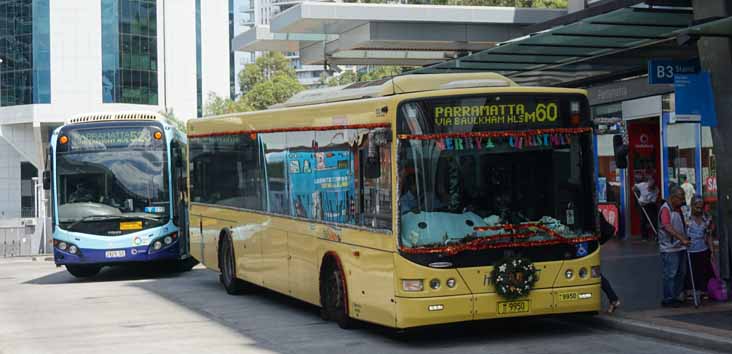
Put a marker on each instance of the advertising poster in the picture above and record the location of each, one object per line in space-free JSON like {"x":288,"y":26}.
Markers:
{"x":321,"y":185}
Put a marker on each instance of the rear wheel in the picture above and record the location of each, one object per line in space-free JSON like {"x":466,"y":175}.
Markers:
{"x":83,"y":271}
{"x":227,"y":264}
{"x":335,"y":298}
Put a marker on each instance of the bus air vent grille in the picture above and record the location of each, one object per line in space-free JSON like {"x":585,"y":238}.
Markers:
{"x":100,"y":117}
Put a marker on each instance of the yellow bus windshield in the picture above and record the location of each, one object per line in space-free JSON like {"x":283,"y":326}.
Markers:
{"x":492,"y":171}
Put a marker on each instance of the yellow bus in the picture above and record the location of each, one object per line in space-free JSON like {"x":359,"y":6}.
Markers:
{"x":411,"y":201}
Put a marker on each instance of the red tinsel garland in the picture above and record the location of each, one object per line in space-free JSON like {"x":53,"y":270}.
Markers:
{"x":299,"y":129}
{"x":478,"y":245}
{"x":495,"y":134}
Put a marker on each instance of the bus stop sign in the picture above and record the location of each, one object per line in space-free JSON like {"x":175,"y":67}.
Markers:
{"x":662,"y":71}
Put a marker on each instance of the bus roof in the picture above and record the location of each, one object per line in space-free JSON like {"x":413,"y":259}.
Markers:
{"x":100,"y":117}
{"x":396,"y":85}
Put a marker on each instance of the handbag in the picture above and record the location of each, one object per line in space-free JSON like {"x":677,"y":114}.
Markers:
{"x":716,"y":288}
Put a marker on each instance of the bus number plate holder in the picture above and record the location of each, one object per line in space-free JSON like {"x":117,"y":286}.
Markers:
{"x":571,"y":296}
{"x":115,"y":254}
{"x":513,"y":307}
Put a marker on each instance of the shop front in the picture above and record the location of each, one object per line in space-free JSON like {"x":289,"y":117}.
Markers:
{"x":660,"y":147}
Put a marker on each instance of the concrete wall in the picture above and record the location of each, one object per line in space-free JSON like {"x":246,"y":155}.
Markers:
{"x":215,"y":48}
{"x":9,"y":181}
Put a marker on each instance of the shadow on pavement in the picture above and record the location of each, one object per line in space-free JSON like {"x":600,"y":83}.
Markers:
{"x":109,"y":273}
{"x":278,"y":322}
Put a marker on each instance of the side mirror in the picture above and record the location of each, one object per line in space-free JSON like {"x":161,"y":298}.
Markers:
{"x":377,"y":138}
{"x":621,"y":151}
{"x":46,"y":180}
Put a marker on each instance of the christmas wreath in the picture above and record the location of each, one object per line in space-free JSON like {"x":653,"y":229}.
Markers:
{"x":513,"y":277}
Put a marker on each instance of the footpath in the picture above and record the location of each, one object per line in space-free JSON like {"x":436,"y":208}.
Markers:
{"x":634,"y":269}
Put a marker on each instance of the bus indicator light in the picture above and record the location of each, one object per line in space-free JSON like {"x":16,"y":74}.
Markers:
{"x":63,"y":139}
{"x":412,"y":284}
{"x":158,"y":135}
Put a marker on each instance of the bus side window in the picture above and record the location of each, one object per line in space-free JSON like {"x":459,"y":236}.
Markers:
{"x":376,"y":195}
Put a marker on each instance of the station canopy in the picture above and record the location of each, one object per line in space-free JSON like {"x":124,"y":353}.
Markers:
{"x":610,"y":41}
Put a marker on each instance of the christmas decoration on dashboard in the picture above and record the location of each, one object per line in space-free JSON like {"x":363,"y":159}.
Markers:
{"x":513,"y":277}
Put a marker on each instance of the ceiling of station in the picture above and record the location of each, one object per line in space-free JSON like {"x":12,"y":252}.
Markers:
{"x":600,"y":47}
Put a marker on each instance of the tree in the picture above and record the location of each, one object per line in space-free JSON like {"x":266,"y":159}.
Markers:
{"x":270,"y":80}
{"x":345,"y":78}
{"x":276,"y":90}
{"x":170,"y":117}
{"x":381,"y":72}
{"x":266,"y":67}
{"x":216,"y":105}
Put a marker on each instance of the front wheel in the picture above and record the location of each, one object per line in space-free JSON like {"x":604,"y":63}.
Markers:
{"x":185,"y":265}
{"x":83,"y":271}
{"x":335,"y":299}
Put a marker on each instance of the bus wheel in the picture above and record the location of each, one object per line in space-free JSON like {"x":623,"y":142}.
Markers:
{"x":83,"y":271}
{"x":227,"y":264}
{"x":185,"y":265}
{"x":335,"y":298}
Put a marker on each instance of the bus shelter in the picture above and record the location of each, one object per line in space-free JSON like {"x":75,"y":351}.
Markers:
{"x":608,"y":49}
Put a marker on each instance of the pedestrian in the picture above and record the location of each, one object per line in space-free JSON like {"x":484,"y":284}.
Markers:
{"x":607,"y":231}
{"x":688,"y":188}
{"x":699,"y":230}
{"x":647,"y":194}
{"x":672,"y":242}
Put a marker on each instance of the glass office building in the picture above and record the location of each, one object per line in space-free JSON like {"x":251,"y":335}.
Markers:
{"x":129,"y":51}
{"x":24,"y":49}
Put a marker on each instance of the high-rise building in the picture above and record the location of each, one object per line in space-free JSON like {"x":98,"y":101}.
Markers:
{"x":252,"y":13}
{"x":62,"y":58}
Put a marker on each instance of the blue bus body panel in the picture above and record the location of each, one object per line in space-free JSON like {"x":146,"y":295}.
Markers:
{"x":137,"y":246}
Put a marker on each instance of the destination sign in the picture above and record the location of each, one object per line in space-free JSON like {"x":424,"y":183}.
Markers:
{"x":113,"y":137}
{"x":496,"y":114}
{"x":491,"y":113}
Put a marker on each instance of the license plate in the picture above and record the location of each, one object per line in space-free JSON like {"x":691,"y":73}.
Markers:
{"x":513,"y":307}
{"x":130,"y":225}
{"x":571,"y":296}
{"x":115,"y":254}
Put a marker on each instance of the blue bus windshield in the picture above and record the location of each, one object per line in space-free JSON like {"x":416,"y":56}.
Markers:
{"x":112,"y":182}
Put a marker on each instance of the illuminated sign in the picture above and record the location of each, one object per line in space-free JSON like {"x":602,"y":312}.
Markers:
{"x":116,"y":137}
{"x":495,"y":114}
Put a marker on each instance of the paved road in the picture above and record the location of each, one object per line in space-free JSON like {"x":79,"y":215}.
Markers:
{"x":45,"y":310}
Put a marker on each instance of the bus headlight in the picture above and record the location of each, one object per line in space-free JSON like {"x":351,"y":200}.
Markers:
{"x":73,"y":249}
{"x":582,"y":273}
{"x":62,"y":246}
{"x":451,"y":283}
{"x":568,"y":273}
{"x":412,"y":284}
{"x":168,"y":240}
{"x":435,"y":284}
{"x":157,"y":245}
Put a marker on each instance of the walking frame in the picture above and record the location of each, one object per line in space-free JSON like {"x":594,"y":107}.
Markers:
{"x":688,"y":256}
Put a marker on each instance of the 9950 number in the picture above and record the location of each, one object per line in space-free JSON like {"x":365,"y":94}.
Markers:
{"x":513,"y":307}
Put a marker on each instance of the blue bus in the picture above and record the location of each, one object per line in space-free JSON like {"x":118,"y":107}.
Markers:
{"x":119,"y":189}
